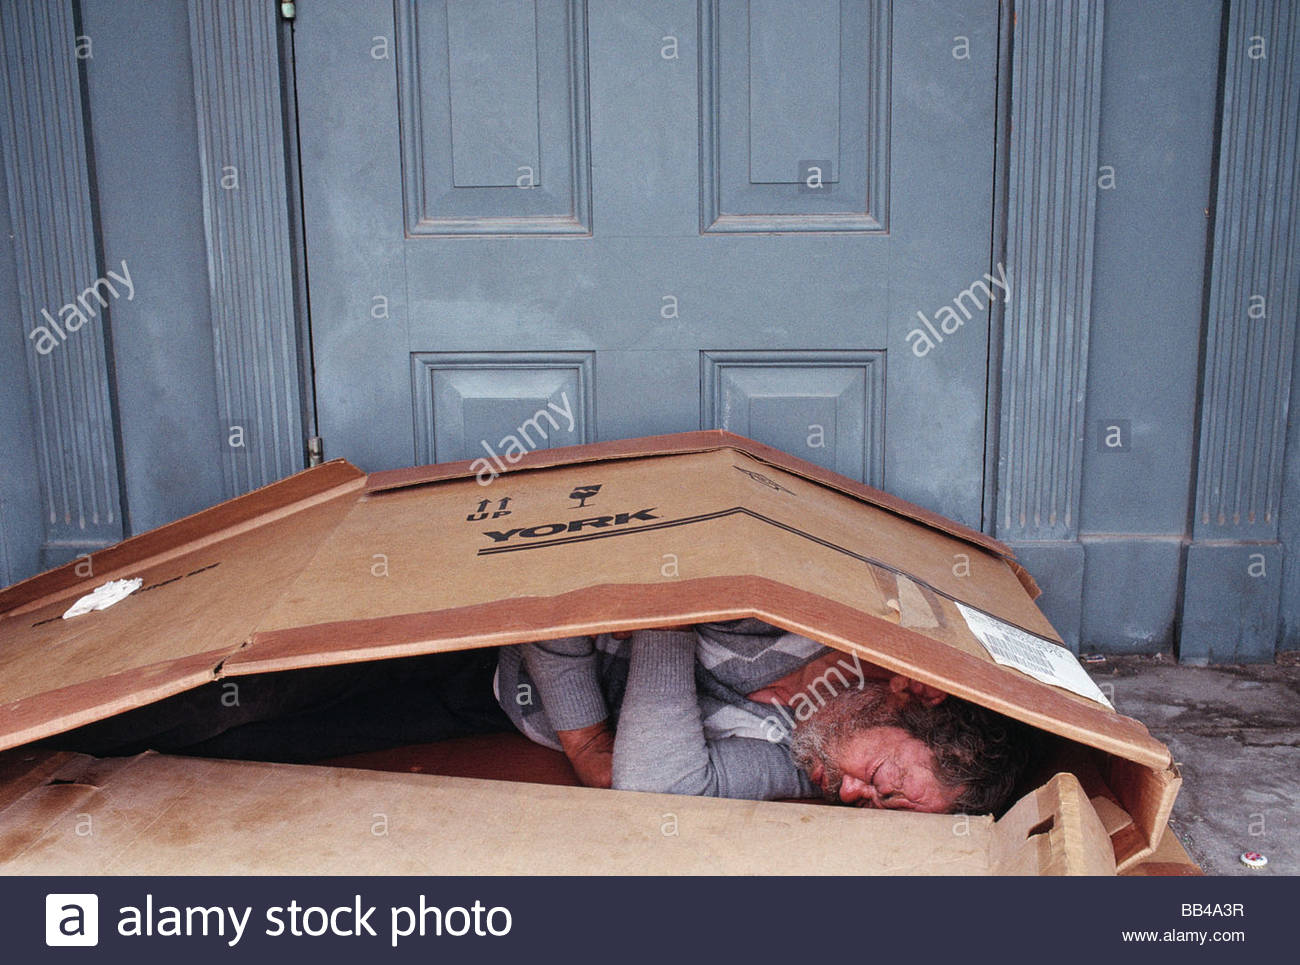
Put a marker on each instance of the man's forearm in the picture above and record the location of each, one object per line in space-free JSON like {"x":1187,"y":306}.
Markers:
{"x":659,"y":745}
{"x":564,"y":672}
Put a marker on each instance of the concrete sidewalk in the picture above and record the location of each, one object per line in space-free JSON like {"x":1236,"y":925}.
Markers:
{"x":1235,"y":733}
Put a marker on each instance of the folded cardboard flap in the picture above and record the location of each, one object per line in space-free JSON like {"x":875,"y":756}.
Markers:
{"x":200,"y":603}
{"x":178,"y":815}
{"x":331,"y":566}
{"x":1147,"y":795}
{"x":1132,"y":801}
{"x":1113,"y":817}
{"x":1053,"y":830}
{"x":1170,"y":859}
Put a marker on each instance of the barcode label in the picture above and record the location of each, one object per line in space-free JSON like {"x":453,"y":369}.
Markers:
{"x":1041,"y":659}
{"x":1005,"y":647}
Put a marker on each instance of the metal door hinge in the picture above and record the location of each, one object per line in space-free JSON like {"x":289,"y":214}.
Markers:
{"x":315,"y":451}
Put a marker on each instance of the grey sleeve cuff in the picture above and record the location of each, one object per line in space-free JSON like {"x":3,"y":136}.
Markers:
{"x":568,"y":686}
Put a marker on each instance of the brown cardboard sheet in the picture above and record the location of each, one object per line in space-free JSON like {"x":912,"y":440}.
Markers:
{"x":1169,"y":860}
{"x":331,"y":566}
{"x":207,"y":579}
{"x":155,"y":814}
{"x":686,"y":442}
{"x":795,"y":553}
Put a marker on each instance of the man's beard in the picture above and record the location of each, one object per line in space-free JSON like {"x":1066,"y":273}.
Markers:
{"x":816,"y":740}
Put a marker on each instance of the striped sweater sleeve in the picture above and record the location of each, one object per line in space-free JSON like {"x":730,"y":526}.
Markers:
{"x":660,"y":744}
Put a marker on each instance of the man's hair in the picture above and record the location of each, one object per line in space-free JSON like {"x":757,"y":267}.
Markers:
{"x":984,"y":751}
{"x":972,"y":746}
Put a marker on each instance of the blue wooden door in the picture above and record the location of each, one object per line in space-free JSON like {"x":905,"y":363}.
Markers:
{"x":561,"y":221}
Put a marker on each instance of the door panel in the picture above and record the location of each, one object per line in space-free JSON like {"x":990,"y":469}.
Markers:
{"x":825,"y":404}
{"x":493,"y":107}
{"x":544,"y":400}
{"x":664,"y":263}
{"x":793,"y":92}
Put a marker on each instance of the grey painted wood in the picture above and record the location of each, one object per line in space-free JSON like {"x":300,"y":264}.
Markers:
{"x":140,"y":91}
{"x":826,"y":407}
{"x":1159,"y":97}
{"x":795,"y":95}
{"x":1289,"y":526}
{"x":1234,"y":569}
{"x":64,"y":305}
{"x":22,"y":530}
{"x":1055,"y":107}
{"x":1051,"y":207}
{"x":1156,"y":156}
{"x":492,"y":60}
{"x":493,"y":102}
{"x":1132,"y":586}
{"x":1231,"y":603}
{"x":246,"y":217}
{"x":1254,"y":285}
{"x":788,"y":122}
{"x":649,"y":291}
{"x":468,"y":405}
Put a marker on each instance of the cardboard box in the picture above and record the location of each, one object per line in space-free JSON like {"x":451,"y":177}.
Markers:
{"x":333,"y":566}
{"x":157,"y":815}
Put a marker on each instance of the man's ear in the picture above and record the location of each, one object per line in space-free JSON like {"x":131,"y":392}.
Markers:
{"x":908,"y":689}
{"x":898,"y":695}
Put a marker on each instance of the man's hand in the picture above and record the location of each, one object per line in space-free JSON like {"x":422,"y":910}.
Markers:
{"x":906,"y":688}
{"x":591,"y":752}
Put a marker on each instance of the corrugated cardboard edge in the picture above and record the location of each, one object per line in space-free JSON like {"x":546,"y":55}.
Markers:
{"x":706,"y":440}
{"x":56,"y":711}
{"x":226,"y":519}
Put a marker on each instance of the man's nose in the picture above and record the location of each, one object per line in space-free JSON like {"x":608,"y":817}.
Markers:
{"x":853,"y":790}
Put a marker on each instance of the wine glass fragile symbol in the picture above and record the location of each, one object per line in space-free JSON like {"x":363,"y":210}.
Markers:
{"x":583,"y":493}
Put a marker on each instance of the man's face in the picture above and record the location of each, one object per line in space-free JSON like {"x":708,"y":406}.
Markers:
{"x":854,"y":752}
{"x":882,"y":767}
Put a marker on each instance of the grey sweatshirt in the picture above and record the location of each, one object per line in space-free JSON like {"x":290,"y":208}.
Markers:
{"x":676,"y":700}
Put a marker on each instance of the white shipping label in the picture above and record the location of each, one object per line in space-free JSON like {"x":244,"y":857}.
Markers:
{"x":1041,"y":659}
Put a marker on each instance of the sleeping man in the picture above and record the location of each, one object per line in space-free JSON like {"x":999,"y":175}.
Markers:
{"x":743,"y":709}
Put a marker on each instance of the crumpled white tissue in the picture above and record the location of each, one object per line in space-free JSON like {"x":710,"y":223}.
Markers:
{"x":103,"y":596}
